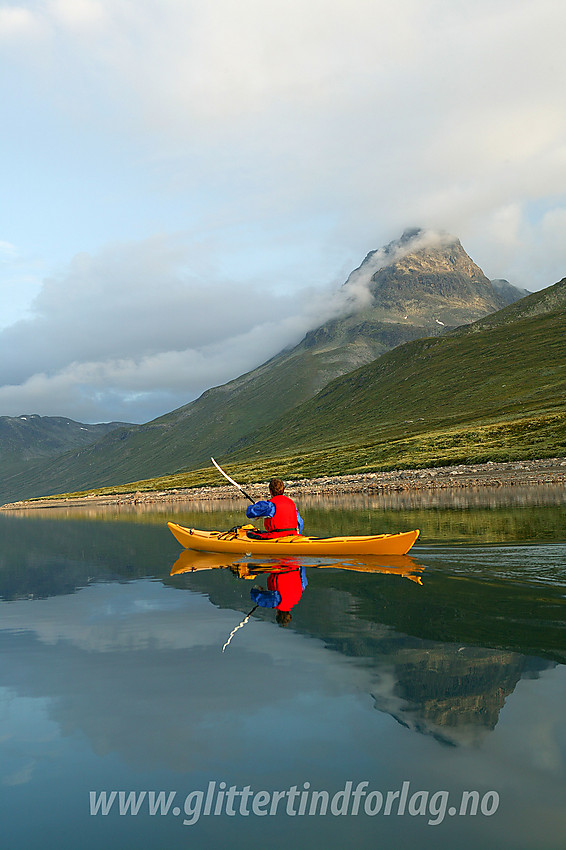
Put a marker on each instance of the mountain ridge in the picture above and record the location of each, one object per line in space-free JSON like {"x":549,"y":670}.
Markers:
{"x":31,"y":436}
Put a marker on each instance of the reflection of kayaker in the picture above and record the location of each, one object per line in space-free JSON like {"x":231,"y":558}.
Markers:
{"x":285,"y":587}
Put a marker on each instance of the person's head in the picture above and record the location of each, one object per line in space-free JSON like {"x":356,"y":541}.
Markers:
{"x":283,"y":618}
{"x":276,"y":487}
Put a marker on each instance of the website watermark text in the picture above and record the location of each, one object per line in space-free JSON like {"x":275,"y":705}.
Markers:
{"x":354,"y":799}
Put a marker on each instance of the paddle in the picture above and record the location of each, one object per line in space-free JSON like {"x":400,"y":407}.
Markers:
{"x":231,"y":480}
{"x":243,"y":623}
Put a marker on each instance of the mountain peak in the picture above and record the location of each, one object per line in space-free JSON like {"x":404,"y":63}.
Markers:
{"x":425,"y":277}
{"x":414,"y":242}
{"x":415,"y":239}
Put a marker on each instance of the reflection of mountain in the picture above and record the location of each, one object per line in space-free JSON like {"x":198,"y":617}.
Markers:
{"x":451,"y":690}
{"x":137,"y":669}
{"x":454,"y":693}
{"x":47,"y":557}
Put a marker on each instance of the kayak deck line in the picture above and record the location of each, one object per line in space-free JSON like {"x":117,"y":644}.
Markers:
{"x":236,"y":541}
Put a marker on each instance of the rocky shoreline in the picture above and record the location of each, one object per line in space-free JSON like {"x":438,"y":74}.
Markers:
{"x":526,"y":473}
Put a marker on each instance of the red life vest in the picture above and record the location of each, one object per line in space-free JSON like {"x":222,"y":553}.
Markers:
{"x":285,"y":521}
{"x":290,"y":588}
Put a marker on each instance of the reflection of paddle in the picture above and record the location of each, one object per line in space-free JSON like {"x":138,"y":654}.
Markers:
{"x":231,"y":480}
{"x":243,"y":623}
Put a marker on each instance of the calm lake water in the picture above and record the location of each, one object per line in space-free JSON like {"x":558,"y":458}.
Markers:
{"x":415,"y":703}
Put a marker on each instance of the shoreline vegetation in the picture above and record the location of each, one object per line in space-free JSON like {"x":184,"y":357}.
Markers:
{"x":524,"y":473}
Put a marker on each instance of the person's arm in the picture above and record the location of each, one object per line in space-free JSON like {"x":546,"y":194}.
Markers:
{"x":300,"y":522}
{"x":265,"y":598}
{"x":260,"y":509}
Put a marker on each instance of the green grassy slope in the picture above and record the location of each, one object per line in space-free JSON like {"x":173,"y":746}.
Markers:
{"x":505,"y":372}
{"x":470,"y":392}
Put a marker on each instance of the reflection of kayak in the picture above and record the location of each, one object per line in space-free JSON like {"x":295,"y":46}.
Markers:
{"x":193,"y":562}
{"x":401,"y":565}
{"x":190,"y":561}
{"x":392,"y":565}
{"x":237,"y":542}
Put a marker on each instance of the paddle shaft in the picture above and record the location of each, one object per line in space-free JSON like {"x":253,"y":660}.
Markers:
{"x":231,"y":480}
{"x":243,"y":623}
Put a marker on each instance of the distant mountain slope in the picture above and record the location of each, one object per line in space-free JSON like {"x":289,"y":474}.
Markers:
{"x":513,"y":369}
{"x":420,"y":285}
{"x":32,"y":437}
{"x":549,"y":300}
{"x":508,"y":292}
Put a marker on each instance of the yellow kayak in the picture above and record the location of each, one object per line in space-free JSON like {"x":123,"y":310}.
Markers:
{"x":237,"y":542}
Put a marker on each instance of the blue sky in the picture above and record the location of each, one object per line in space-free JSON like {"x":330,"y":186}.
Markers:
{"x":184,"y":185}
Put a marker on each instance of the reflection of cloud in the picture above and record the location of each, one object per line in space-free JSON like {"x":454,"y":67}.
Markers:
{"x":21,"y":776}
{"x":27,"y":734}
{"x":139,"y":670}
{"x":104,"y":618}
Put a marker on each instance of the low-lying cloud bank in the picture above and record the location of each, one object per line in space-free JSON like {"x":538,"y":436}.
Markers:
{"x":132,"y":333}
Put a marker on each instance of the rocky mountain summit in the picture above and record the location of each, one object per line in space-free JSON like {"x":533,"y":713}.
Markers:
{"x":422,"y":284}
{"x":427,"y":278}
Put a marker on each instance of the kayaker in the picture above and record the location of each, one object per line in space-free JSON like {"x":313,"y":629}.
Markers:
{"x":281,"y":517}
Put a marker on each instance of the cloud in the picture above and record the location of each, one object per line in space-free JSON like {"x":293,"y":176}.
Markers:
{"x":142,"y":328}
{"x":288,"y":139}
{"x":7,"y":251}
{"x":19,"y":282}
{"x":345,"y":97}
{"x":136,"y":331}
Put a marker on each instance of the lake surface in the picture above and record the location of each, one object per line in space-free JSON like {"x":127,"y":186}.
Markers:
{"x":416,"y":703}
